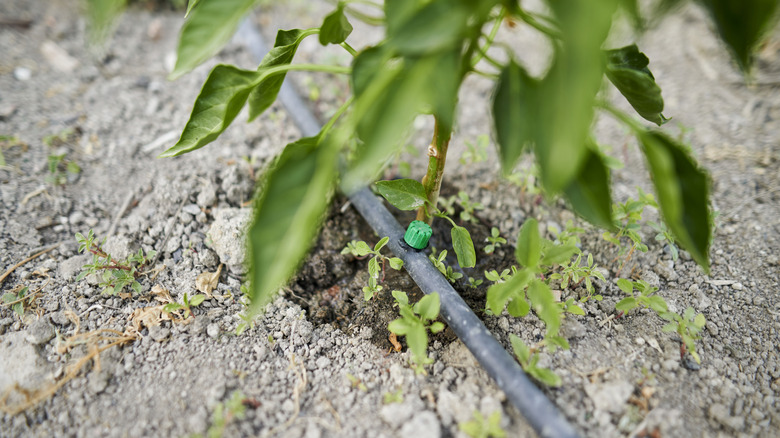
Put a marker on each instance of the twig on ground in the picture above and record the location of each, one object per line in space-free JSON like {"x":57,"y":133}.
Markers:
{"x":32,"y":257}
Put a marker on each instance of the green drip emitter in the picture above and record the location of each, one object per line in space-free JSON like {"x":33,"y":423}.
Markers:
{"x":417,"y":234}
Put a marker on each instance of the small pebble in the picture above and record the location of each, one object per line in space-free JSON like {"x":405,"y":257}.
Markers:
{"x":212,"y":330}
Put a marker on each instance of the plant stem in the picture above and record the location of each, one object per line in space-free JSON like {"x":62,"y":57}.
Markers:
{"x":437,"y":153}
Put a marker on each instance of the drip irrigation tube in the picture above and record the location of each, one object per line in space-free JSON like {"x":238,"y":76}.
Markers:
{"x":540,"y":413}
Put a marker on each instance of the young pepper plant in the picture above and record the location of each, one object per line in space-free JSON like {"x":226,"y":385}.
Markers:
{"x":429,"y":48}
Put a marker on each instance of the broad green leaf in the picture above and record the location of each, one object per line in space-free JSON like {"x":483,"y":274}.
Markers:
{"x":436,"y":327}
{"x":699,"y":321}
{"x":417,"y":340}
{"x":362,"y":248}
{"x":558,"y":254}
{"x":569,"y":89}
{"x":743,"y":24}
{"x":437,"y":26}
{"x":521,"y":350}
{"x":220,"y":100}
{"x":287,"y":213}
{"x":283,"y":52}
{"x":373,"y":268}
{"x":625,"y":285}
{"x":197,"y":300}
{"x":428,"y":307}
{"x":518,"y":306}
{"x":589,"y":193}
{"x":101,"y":18}
{"x":545,"y":376}
{"x":627,"y":70}
{"x":399,"y":326}
{"x":575,"y":309}
{"x":683,"y":190}
{"x":626,"y":304}
{"x":8,"y":297}
{"x":366,"y":66}
{"x":515,"y":109}
{"x":500,"y":293}
{"x":464,"y":247}
{"x":400,"y":297}
{"x":208,"y":27}
{"x":544,"y":305}
{"x":403,"y":194}
{"x":529,"y":244}
{"x":396,"y":263}
{"x":335,"y":28}
{"x":658,"y":304}
{"x":381,"y":244}
{"x":191,"y":4}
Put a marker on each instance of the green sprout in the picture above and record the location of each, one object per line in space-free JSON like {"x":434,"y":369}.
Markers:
{"x":360,"y":249}
{"x":414,"y":324}
{"x":494,"y":241}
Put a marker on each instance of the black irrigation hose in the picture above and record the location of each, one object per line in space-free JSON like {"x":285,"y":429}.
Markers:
{"x":524,"y":395}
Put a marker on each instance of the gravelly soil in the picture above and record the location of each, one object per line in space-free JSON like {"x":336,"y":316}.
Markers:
{"x":302,"y":370}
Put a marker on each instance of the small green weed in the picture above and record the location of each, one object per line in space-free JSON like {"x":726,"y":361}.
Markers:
{"x":494,"y":240}
{"x":414,"y":324}
{"x":438,"y":261}
{"x":20,"y":300}
{"x":529,"y":358}
{"x":687,"y":327}
{"x":664,"y":235}
{"x":114,"y":275}
{"x":575,"y":274}
{"x":187,"y":304}
{"x":481,"y":427}
{"x":475,"y":282}
{"x":356,"y":383}
{"x":394,"y":397}
{"x":226,"y":412}
{"x":645,"y":298}
{"x":61,"y":169}
{"x":360,"y":250}
{"x":60,"y":138}
{"x":475,"y":152}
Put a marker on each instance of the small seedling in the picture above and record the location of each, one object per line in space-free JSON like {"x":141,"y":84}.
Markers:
{"x":664,"y":235}
{"x":447,"y":271}
{"x":481,"y":427}
{"x":570,"y":235}
{"x":529,"y":358}
{"x":187,"y":304}
{"x":505,"y":275}
{"x":394,"y":397}
{"x":18,"y":301}
{"x":494,"y":241}
{"x":467,"y":214}
{"x":360,"y":250}
{"x":114,"y":275}
{"x":475,"y":152}
{"x":226,"y":412}
{"x":474,"y":282}
{"x":414,"y":324}
{"x":356,"y":383}
{"x":575,"y":274}
{"x":645,"y":298}
{"x":60,"y":138}
{"x":60,"y":169}
{"x":687,"y":327}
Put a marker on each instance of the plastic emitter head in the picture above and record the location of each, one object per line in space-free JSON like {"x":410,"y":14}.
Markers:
{"x":418,"y":234}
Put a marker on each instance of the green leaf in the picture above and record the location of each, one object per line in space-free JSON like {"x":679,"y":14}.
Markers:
{"x":382,"y":242}
{"x":518,"y":306}
{"x":208,"y":27}
{"x":521,"y":350}
{"x":742,"y":25}
{"x":625,"y":285}
{"x":428,"y":307}
{"x":295,"y":196}
{"x":197,"y":299}
{"x":699,"y":321}
{"x":373,"y":268}
{"x":529,"y":244}
{"x":396,"y":263}
{"x":362,"y":249}
{"x":657,"y":303}
{"x":437,"y":26}
{"x":403,"y":194}
{"x":683,"y":193}
{"x":335,"y":28}
{"x":172,"y":307}
{"x":544,"y":305}
{"x":401,"y":297}
{"x":575,"y":309}
{"x":590,"y":194}
{"x":515,"y":103}
{"x":417,"y":340}
{"x":558,"y":254}
{"x":285,"y":46}
{"x":8,"y":297}
{"x":399,"y":326}
{"x":545,"y":376}
{"x":464,"y":247}
{"x":220,"y":100}
{"x":191,"y":4}
{"x":500,"y":293}
{"x":101,"y":17}
{"x":366,"y":66}
{"x":436,"y":327}
{"x":568,"y":91}
{"x":627,"y":70}
{"x":626,"y":304}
